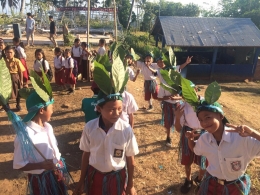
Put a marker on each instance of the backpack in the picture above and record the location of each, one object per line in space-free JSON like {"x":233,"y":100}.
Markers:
{"x":75,"y":69}
{"x":49,"y":73}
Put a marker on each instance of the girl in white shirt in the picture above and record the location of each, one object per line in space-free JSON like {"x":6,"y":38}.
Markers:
{"x":59,"y":65}
{"x":42,"y":64}
{"x":85,"y":62}
{"x":69,"y":76}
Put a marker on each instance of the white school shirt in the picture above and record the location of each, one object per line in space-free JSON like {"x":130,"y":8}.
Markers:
{"x":131,"y":73}
{"x":45,"y":141}
{"x":84,"y":55}
{"x":148,"y":75}
{"x":162,"y":92}
{"x":38,"y":65}
{"x":189,"y":117}
{"x":77,"y":51}
{"x":69,"y":62}
{"x":229,"y":160}
{"x":101,"y":51}
{"x":108,"y":151}
{"x":59,"y":62}
{"x":129,"y":106}
{"x":21,"y":52}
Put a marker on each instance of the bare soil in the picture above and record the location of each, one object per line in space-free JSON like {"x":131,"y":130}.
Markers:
{"x":158,"y":171}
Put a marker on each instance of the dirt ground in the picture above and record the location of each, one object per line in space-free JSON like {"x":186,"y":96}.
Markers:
{"x":158,"y":171}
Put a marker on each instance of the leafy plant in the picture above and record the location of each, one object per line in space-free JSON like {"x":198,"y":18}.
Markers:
{"x":212,"y":93}
{"x":189,"y":93}
{"x":172,"y":83}
{"x":25,"y":92}
{"x":5,"y":83}
{"x":118,"y":74}
{"x":47,"y":84}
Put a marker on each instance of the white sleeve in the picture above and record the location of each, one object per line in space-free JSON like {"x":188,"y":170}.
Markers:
{"x":199,"y":146}
{"x":139,"y":64}
{"x":131,"y":146}
{"x":18,"y":161}
{"x":132,"y":106}
{"x":63,"y":61}
{"x":178,"y":68}
{"x":161,"y":93}
{"x":253,"y":147}
{"x":47,"y":66}
{"x":131,"y":73}
{"x":71,"y":62}
{"x":84,"y":140}
{"x":23,"y":54}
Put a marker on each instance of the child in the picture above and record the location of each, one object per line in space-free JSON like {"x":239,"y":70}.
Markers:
{"x":186,"y":120}
{"x":53,"y":31}
{"x":85,"y":62}
{"x":41,"y":63}
{"x":59,"y":65}
{"x":44,"y":177}
{"x":69,"y":76}
{"x":16,"y":70}
{"x":2,"y":48}
{"x":150,"y":84}
{"x":181,"y":68}
{"x":228,"y":149}
{"x":102,"y":49}
{"x":76,"y":53}
{"x":129,"y":62}
{"x":21,"y":55}
{"x":30,"y":28}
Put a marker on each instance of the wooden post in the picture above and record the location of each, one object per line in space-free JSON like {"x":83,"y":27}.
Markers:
{"x":257,"y":52}
{"x":215,"y":52}
{"x":88,"y":22}
{"x":115,"y":21}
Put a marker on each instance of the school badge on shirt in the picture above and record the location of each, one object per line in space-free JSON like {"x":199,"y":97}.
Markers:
{"x":118,"y":153}
{"x":235,"y":165}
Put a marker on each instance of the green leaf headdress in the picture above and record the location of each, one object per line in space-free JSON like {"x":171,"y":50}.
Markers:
{"x":112,"y":83}
{"x":172,"y":80}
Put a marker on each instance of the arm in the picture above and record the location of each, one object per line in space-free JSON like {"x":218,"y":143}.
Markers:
{"x":178,"y":114}
{"x":130,"y":170}
{"x":20,"y":71}
{"x":84,"y":167}
{"x":190,"y":135}
{"x":136,"y":75}
{"x":244,"y":131}
{"x":170,"y":97}
{"x":188,"y":60}
{"x":131,"y":120}
{"x":151,"y":69}
{"x":46,"y":165}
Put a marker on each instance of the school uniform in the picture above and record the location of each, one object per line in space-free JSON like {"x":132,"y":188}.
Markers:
{"x":150,"y":85}
{"x":59,"y":63}
{"x":189,"y":121}
{"x":15,"y":68}
{"x":40,"y":181}
{"x":131,"y":73}
{"x":76,"y":53}
{"x":129,"y":106}
{"x":38,"y":66}
{"x":106,"y":172}
{"x":85,"y":66}
{"x":101,"y":51}
{"x":69,"y":63}
{"x":228,"y":162}
{"x":22,"y":58}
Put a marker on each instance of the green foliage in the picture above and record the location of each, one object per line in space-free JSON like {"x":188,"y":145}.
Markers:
{"x":25,"y":92}
{"x":168,"y":88}
{"x":47,"y":84}
{"x":5,"y":83}
{"x":135,"y":56}
{"x":118,"y":74}
{"x":189,"y":93}
{"x":68,"y":39}
{"x":172,"y":57}
{"x":102,"y":78}
{"x":38,"y":86}
{"x":175,"y":77}
{"x":123,"y":12}
{"x":125,"y":82}
{"x":212,"y":93}
{"x":171,"y":81}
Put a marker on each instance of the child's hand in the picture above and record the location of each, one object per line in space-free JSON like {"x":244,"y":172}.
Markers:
{"x":242,"y":130}
{"x":130,"y":191}
{"x":138,"y":71}
{"x":79,"y":189}
{"x":70,"y":75}
{"x":48,"y":165}
{"x":175,"y":97}
{"x":188,"y":60}
{"x":191,"y":134}
{"x":178,"y":111}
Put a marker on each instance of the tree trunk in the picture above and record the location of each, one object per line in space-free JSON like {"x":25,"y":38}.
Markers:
{"x":130,"y":14}
{"x":115,"y":20}
{"x":22,"y":7}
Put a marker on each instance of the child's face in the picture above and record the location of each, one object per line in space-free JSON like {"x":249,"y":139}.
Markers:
{"x":67,"y":54}
{"x":129,"y":60}
{"x":46,"y":113}
{"x":39,"y":56}
{"x":160,"y":63}
{"x":111,"y":111}
{"x":9,"y":54}
{"x":77,"y":44}
{"x":148,"y":59}
{"x":2,"y":46}
{"x":210,"y":121}
{"x":15,"y":43}
{"x":57,"y":53}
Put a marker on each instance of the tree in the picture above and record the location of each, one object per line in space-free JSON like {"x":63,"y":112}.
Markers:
{"x":123,"y":12}
{"x":10,"y":3}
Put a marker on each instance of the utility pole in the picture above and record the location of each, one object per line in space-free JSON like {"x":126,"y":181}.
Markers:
{"x":115,"y":20}
{"x":88,"y":27}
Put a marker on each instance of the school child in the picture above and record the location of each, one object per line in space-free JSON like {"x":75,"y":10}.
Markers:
{"x":85,"y":62}
{"x":47,"y":173}
{"x":16,"y":70}
{"x":102,"y":47}
{"x":182,"y":68}
{"x":21,"y":55}
{"x":53,"y":31}
{"x":59,"y":65}
{"x":228,"y":149}
{"x":129,"y":62}
{"x":150,"y":84}
{"x":41,"y":63}
{"x":2,"y":48}
{"x":186,"y":120}
{"x":76,"y":52}
{"x":108,"y":145}
{"x":69,"y":76}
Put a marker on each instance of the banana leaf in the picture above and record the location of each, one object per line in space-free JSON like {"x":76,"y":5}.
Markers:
{"x":157,"y":53}
{"x":125,"y":82}
{"x":168,"y":88}
{"x":102,"y":78}
{"x":47,"y":84}
{"x":5,"y":83}
{"x":118,"y":74}
{"x":38,"y":80}
{"x":166,"y":77}
{"x":212,"y":93}
{"x":189,"y":93}
{"x":40,"y":91}
{"x":25,"y":92}
{"x":113,"y":46}
{"x":175,"y":77}
{"x":135,"y":56}
{"x":171,"y":56}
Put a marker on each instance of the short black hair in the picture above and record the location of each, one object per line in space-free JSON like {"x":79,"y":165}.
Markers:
{"x":16,"y":39}
{"x":9,"y":47}
{"x":29,"y":14}
{"x":76,"y":40}
{"x":57,"y":49}
{"x":50,"y":17}
{"x":102,"y":41}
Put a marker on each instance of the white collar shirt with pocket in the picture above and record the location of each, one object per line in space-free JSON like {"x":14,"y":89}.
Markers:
{"x":108,"y":151}
{"x":59,"y":62}
{"x":229,"y":160}
{"x":44,"y":140}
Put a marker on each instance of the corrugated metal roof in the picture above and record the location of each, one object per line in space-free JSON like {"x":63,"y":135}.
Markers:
{"x":207,"y":32}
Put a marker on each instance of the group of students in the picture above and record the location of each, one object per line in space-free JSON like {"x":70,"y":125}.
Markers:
{"x":221,"y":150}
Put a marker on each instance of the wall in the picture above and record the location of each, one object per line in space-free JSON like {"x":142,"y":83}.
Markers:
{"x":257,"y":71}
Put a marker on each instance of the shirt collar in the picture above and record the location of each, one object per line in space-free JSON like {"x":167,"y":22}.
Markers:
{"x":35,"y":127}
{"x":118,"y":125}
{"x":225,"y":137}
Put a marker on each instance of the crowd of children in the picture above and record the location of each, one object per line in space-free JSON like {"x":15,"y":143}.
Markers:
{"x":108,"y":141}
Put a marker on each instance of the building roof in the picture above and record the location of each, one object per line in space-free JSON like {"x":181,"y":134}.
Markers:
{"x":207,"y":32}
